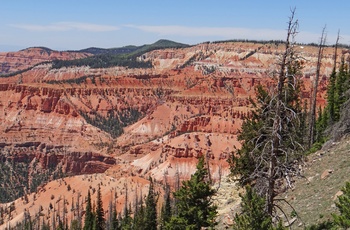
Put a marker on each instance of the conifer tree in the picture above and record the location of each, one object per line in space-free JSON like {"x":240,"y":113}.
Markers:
{"x":271,"y":139}
{"x":89,"y":216}
{"x":253,"y":215}
{"x":321,"y":125}
{"x":139,"y":215}
{"x":115,"y":220}
{"x":241,"y":161}
{"x":194,"y":204}
{"x":100,"y":220}
{"x":341,"y":87}
{"x":60,"y":225}
{"x":331,"y":97}
{"x":74,"y":225}
{"x":166,"y":209}
{"x":151,"y":208}
{"x":337,"y":95}
{"x":127,"y":220}
{"x":27,"y":220}
{"x":343,"y":219}
{"x":45,"y":226}
{"x":331,"y":85}
{"x":312,"y":122}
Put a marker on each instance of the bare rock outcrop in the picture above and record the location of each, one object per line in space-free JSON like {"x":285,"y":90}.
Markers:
{"x":192,"y":103}
{"x":27,"y":58}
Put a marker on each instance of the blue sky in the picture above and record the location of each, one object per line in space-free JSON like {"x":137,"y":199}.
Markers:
{"x":78,"y":24}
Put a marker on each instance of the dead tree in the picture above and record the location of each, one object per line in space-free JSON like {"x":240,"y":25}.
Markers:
{"x":278,"y":109}
{"x":315,"y":88}
{"x":331,"y":85}
{"x":336,"y":52}
{"x":270,"y":140}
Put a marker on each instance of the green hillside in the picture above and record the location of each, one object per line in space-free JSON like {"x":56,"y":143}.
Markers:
{"x":124,"y":56}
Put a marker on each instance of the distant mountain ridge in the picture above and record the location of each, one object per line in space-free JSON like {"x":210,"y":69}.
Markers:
{"x":94,"y":57}
{"x":12,"y":63}
{"x":124,"y":56}
{"x":162,"y":43}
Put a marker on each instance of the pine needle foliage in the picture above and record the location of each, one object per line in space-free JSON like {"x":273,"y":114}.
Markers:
{"x":253,"y":215}
{"x":151,"y":208}
{"x":194,"y":203}
{"x":343,"y":219}
{"x":89,"y":215}
{"x":100,"y":219}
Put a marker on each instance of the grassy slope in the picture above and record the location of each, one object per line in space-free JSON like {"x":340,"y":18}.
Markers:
{"x":313,"y":198}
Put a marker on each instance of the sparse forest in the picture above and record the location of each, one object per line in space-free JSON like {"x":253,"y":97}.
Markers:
{"x":280,"y":134}
{"x":17,"y":181}
{"x":190,"y":207}
{"x":114,"y":122}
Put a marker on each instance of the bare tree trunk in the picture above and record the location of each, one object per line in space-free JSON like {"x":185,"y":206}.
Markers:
{"x":336,"y":52}
{"x":276,"y":129}
{"x":110,"y":213}
{"x":314,"y":88}
{"x":126,"y":200}
{"x":177,"y":188}
{"x":78,"y":207}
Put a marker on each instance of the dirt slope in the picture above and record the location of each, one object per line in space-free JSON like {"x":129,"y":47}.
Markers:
{"x":325,"y":173}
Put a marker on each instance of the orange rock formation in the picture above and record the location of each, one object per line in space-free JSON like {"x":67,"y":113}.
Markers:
{"x":192,"y":103}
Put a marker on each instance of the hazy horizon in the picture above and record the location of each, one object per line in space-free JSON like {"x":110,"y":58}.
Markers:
{"x":67,"y":25}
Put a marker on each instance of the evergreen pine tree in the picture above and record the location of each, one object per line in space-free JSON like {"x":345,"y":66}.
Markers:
{"x":151,"y":208}
{"x":331,"y":97}
{"x":60,"y":225}
{"x":115,"y":220}
{"x":89,"y":216}
{"x":321,"y":125}
{"x":45,"y":226}
{"x":271,"y":140}
{"x":253,"y":215}
{"x":343,"y":219}
{"x":74,"y":225}
{"x":166,"y":209}
{"x":341,"y":86}
{"x":27,"y":220}
{"x":194,"y":204}
{"x":241,"y":161}
{"x":126,"y":223}
{"x":100,"y":220}
{"x":139,"y":215}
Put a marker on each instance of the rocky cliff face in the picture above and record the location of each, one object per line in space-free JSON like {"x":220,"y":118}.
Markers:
{"x":135,"y":123}
{"x":24,"y":59}
{"x":203,"y":89}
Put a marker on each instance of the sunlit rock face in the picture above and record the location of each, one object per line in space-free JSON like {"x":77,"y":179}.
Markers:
{"x":27,"y":58}
{"x":130,"y":124}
